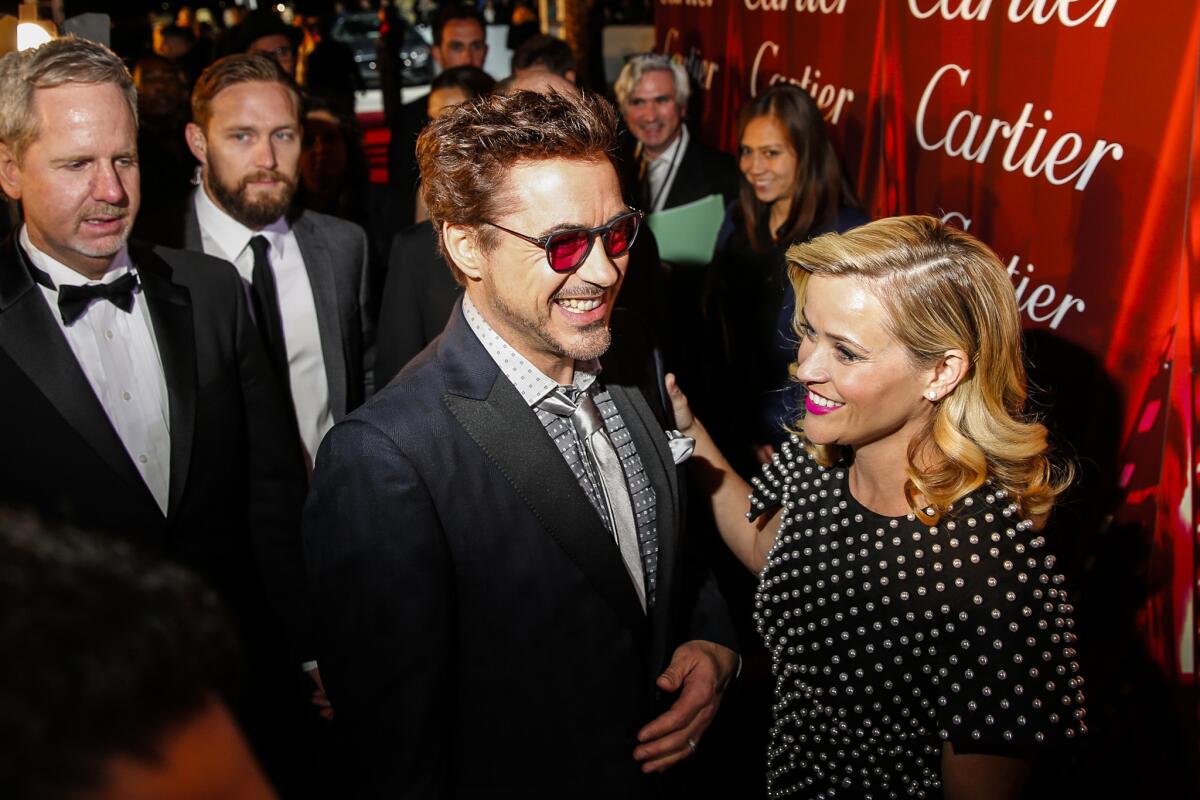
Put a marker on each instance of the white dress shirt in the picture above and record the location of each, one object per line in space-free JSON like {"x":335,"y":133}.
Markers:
{"x":224,"y":237}
{"x":661,"y":171}
{"x":119,"y":355}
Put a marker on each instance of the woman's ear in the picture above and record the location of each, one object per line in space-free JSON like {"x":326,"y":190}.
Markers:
{"x":947,"y":373}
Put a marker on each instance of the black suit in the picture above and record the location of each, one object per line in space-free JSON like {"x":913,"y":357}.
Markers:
{"x":478,"y":633}
{"x":235,"y":492}
{"x":418,"y":294}
{"x":236,"y":482}
{"x":336,"y":257}
{"x":403,"y":172}
{"x":703,"y":171}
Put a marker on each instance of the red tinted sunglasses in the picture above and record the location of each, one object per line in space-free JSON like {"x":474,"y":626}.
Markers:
{"x":566,"y":250}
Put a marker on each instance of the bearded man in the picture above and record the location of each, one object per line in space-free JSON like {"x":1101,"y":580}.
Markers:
{"x":306,"y":272}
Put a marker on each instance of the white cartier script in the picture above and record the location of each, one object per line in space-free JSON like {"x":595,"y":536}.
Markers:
{"x":972,"y":137}
{"x":1039,"y":12}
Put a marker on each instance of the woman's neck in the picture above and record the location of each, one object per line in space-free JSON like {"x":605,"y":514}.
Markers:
{"x":778,"y":215}
{"x":879,"y":474}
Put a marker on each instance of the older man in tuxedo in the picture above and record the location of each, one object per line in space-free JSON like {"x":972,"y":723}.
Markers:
{"x":137,"y":398}
{"x":505,"y":599}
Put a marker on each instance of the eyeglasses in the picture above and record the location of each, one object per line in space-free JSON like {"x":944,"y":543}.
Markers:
{"x":566,"y":250}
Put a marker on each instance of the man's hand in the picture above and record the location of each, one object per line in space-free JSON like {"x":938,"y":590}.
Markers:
{"x":318,"y":698}
{"x":700,"y":671}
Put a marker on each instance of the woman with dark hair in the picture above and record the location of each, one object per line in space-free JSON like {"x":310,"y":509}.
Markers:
{"x":792,"y":188}
{"x":919,"y":637}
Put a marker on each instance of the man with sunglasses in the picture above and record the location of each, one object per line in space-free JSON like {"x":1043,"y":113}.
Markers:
{"x":506,"y":601}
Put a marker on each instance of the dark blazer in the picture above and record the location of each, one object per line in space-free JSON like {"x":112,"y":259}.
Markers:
{"x":336,"y":255}
{"x":418,"y":294}
{"x":477,"y":631}
{"x":420,"y":291}
{"x":236,"y":484}
{"x":703,"y":171}
{"x":403,"y":173}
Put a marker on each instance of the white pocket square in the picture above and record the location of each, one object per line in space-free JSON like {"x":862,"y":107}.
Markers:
{"x":681,"y":446}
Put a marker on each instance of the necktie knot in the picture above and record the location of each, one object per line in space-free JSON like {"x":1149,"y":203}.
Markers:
{"x":571,"y":402}
{"x":73,"y":301}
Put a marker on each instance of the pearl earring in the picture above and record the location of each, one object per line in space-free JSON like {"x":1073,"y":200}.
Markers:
{"x":931,"y":394}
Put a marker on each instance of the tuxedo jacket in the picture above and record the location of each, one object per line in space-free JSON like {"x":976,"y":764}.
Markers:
{"x":477,"y":631}
{"x":420,"y":291}
{"x":336,"y":255}
{"x":236,"y":476}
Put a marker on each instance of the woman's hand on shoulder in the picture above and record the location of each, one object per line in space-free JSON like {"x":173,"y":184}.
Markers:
{"x":684,"y":418}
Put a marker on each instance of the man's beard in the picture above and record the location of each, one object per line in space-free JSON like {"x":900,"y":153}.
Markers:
{"x":593,"y":344}
{"x":254,"y":214}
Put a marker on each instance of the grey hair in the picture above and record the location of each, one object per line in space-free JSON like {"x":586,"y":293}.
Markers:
{"x":60,"y":61}
{"x":639,"y":65}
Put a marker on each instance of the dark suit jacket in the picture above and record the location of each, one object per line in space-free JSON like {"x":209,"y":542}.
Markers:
{"x":420,"y":292}
{"x":236,"y":485}
{"x":477,"y":630}
{"x":403,"y":172}
{"x":336,"y":255}
{"x":703,"y":171}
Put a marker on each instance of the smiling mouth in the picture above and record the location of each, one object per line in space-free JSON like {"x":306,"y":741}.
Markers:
{"x":580,"y":305}
{"x":816,"y":404}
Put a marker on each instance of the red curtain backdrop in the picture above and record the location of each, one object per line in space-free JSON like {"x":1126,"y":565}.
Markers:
{"x":1063,"y":133}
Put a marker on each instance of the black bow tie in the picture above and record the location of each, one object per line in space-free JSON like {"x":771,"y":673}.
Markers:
{"x":73,"y":301}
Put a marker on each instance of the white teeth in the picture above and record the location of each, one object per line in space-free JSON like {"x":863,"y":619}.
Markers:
{"x":580,"y":306}
{"x":824,"y":402}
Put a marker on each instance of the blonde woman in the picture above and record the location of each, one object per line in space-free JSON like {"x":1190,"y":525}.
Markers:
{"x":920,"y":640}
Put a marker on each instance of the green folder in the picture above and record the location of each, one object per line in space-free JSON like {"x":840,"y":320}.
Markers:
{"x":687,"y":235}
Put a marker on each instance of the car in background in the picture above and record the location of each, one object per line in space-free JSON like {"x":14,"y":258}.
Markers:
{"x":360,"y":32}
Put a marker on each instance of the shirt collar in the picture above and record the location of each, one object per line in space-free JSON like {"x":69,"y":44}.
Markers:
{"x":532,"y":384}
{"x":231,"y":236}
{"x":62,"y":275}
{"x":673,"y":149}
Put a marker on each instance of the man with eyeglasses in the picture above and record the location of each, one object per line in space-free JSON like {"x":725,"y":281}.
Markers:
{"x":506,"y":603}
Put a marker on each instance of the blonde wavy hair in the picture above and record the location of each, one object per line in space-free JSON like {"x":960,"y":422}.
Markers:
{"x":945,"y":290}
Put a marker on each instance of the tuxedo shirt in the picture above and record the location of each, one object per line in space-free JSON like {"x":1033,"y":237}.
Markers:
{"x":224,"y":237}
{"x":119,"y":356}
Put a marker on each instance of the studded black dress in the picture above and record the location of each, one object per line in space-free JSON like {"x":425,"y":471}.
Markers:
{"x":889,"y":637}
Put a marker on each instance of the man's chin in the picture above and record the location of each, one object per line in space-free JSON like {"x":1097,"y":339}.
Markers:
{"x":586,"y":344}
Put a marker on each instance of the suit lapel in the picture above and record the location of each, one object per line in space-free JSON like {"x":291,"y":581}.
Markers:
{"x":318,"y":263}
{"x":35,"y":343}
{"x":651,"y":444}
{"x":497,"y":418}
{"x":171,"y":315}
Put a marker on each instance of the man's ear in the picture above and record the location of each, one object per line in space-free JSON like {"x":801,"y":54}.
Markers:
{"x":196,"y":142}
{"x":462,"y":247}
{"x":10,"y":172}
{"x":436,"y":52}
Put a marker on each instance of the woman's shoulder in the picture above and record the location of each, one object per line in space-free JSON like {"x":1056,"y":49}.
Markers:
{"x":792,"y":473}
